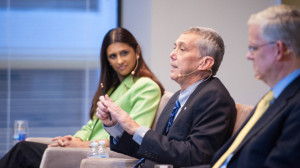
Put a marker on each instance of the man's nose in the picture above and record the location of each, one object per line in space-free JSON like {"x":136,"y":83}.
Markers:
{"x":249,"y":55}
{"x":173,"y":55}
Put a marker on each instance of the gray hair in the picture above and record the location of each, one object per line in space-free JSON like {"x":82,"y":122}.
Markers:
{"x":211,"y":44}
{"x":281,"y":22}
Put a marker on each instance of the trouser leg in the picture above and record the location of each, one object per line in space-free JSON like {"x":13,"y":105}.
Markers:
{"x":24,"y":154}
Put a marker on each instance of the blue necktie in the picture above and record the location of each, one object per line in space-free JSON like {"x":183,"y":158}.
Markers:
{"x":171,"y":119}
{"x":172,"y":116}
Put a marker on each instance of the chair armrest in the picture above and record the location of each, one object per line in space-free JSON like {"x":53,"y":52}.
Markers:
{"x":113,"y":154}
{"x":55,"y":157}
{"x":115,"y":160}
{"x":44,"y":140}
{"x":108,"y":162}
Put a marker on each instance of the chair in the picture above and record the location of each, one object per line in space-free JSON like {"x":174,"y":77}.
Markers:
{"x":55,"y":157}
{"x":163,"y":102}
{"x":243,"y":112}
{"x":44,"y":140}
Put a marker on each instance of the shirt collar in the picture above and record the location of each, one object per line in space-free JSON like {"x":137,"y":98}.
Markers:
{"x":283,"y":83}
{"x":183,"y":96}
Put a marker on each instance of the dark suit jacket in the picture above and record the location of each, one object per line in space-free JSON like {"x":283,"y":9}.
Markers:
{"x":274,"y":141}
{"x":204,"y":124}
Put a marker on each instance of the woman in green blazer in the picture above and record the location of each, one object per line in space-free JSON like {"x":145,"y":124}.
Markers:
{"x":128,"y":81}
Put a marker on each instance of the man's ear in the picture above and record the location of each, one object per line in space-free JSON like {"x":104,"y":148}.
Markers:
{"x":281,"y":50}
{"x":207,"y":63}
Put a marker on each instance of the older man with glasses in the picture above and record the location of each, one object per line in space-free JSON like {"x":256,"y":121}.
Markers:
{"x":271,"y":135}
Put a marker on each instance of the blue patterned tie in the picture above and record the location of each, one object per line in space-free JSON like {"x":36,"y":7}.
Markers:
{"x":172,"y":116}
{"x":171,"y":119}
{"x":138,"y":164}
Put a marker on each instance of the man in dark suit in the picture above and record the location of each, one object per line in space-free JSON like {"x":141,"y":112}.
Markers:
{"x":196,"y":121}
{"x":274,"y":139}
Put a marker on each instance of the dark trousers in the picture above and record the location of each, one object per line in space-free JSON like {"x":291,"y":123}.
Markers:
{"x":24,"y":155}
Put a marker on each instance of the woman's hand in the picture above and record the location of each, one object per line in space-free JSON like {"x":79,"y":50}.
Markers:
{"x":57,"y":142}
{"x":69,"y":141}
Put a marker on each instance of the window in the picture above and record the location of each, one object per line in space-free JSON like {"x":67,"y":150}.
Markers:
{"x":49,"y":63}
{"x":55,"y":5}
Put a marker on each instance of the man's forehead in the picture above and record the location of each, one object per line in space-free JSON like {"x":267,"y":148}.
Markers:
{"x":254,"y":33}
{"x":187,"y":38}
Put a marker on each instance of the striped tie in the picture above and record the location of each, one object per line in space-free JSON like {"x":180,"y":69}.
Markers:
{"x":172,"y":116}
{"x":261,"y":108}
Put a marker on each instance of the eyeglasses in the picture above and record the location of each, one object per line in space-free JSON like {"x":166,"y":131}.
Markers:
{"x":256,"y":47}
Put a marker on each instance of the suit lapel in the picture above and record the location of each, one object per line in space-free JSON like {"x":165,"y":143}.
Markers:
{"x":164,"y":117}
{"x":187,"y":106}
{"x":272,"y":111}
{"x":189,"y":103}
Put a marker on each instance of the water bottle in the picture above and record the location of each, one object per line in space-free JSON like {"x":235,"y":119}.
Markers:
{"x":93,"y":153}
{"x":20,"y":130}
{"x":102,"y":150}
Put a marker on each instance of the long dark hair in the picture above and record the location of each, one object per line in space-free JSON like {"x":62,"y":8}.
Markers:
{"x":108,"y":76}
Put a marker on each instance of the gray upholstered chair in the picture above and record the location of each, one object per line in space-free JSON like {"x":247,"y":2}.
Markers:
{"x":56,"y":157}
{"x":71,"y":158}
{"x":243,"y":112}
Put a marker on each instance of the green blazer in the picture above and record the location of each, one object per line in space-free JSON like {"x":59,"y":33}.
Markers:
{"x":139,"y":97}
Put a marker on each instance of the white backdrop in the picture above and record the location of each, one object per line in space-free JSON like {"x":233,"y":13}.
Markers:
{"x":158,"y":23}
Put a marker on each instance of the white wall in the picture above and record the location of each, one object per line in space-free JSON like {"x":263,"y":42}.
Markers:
{"x":136,"y":17}
{"x":158,"y":23}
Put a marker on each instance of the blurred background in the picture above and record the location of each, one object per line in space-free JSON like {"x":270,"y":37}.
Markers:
{"x":49,"y":53}
{"x":49,"y":63}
